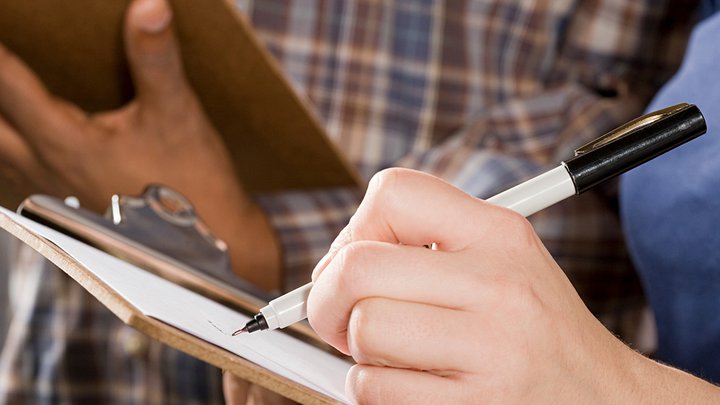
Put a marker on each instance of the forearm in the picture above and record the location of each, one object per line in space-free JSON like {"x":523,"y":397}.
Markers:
{"x":254,"y":250}
{"x":667,"y":385}
{"x":238,"y":221}
{"x":630,"y":377}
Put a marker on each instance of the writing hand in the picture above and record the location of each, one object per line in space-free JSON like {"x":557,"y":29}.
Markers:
{"x":487,"y":317}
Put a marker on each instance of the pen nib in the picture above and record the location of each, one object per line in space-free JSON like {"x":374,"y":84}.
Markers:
{"x":237,"y":332}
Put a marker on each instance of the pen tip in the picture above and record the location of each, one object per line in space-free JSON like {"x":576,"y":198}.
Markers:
{"x":237,"y":332}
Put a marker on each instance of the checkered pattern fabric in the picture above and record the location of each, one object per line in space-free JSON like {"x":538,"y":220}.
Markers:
{"x":483,"y":93}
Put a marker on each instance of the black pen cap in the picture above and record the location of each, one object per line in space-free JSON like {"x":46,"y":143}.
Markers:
{"x":634,"y":144}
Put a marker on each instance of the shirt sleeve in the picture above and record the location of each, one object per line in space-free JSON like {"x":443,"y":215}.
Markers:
{"x":504,"y":146}
{"x":520,"y":139}
{"x":606,"y":71}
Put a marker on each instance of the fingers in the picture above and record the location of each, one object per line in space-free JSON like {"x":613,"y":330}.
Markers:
{"x":401,"y":334}
{"x":15,"y":160}
{"x":414,"y":208}
{"x":411,"y":207}
{"x":374,"y":269}
{"x":27,"y":105}
{"x":381,"y":385}
{"x":14,"y":152}
{"x":154,"y":57}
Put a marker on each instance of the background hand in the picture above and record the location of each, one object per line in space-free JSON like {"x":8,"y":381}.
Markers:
{"x":163,"y":136}
{"x":55,"y":147}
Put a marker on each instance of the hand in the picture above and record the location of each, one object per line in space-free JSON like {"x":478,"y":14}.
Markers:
{"x":487,"y":317}
{"x":57,"y":148}
{"x":163,"y":136}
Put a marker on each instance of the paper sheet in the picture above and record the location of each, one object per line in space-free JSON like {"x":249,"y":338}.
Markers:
{"x":204,"y":318}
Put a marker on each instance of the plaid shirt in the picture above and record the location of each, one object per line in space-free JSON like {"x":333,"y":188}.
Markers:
{"x":481,"y":93}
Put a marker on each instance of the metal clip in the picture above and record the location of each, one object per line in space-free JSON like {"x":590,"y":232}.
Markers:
{"x":630,"y":127}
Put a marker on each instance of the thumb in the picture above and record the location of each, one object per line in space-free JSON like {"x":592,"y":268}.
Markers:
{"x":154,"y":56}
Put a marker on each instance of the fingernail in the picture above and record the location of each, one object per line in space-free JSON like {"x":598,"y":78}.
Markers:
{"x":153,"y":16}
{"x":321,"y":265}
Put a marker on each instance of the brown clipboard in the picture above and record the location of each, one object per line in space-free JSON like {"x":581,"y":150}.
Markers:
{"x":276,"y":141}
{"x":158,"y":330}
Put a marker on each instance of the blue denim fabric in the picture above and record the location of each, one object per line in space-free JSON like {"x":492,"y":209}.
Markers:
{"x":709,"y":7}
{"x":671,"y":214}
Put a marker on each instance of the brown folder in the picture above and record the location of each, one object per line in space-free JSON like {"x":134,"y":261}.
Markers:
{"x":75,"y":46}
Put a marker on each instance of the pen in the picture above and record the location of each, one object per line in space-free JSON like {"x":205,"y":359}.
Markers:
{"x":608,"y":156}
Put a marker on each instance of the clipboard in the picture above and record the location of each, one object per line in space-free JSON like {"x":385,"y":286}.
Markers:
{"x":156,"y":329}
{"x":275,"y":140}
{"x":203,"y":265}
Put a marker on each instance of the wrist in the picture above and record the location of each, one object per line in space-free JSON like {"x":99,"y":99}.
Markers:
{"x":252,"y":246}
{"x":661,"y":384}
{"x":605,"y":371}
{"x":640,"y":379}
{"x":255,"y":250}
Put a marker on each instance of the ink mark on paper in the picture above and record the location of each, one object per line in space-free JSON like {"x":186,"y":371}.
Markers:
{"x":216,"y":327}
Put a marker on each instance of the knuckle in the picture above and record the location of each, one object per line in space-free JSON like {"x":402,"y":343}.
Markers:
{"x":362,"y":385}
{"x":349,"y":272}
{"x":346,"y":260}
{"x":352,"y":261}
{"x":384,"y":185}
{"x":518,"y":230}
{"x":353,"y":253}
{"x":518,"y":223}
{"x":380,"y":181}
{"x":360,"y":335}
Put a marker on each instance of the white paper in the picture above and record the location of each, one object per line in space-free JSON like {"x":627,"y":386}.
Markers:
{"x":204,"y":318}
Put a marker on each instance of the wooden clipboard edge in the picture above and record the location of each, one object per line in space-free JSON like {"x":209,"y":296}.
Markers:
{"x":158,"y":330}
{"x":304,"y":103}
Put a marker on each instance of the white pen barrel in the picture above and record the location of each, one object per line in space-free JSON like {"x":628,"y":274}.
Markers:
{"x":287,"y":309}
{"x":537,"y":193}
